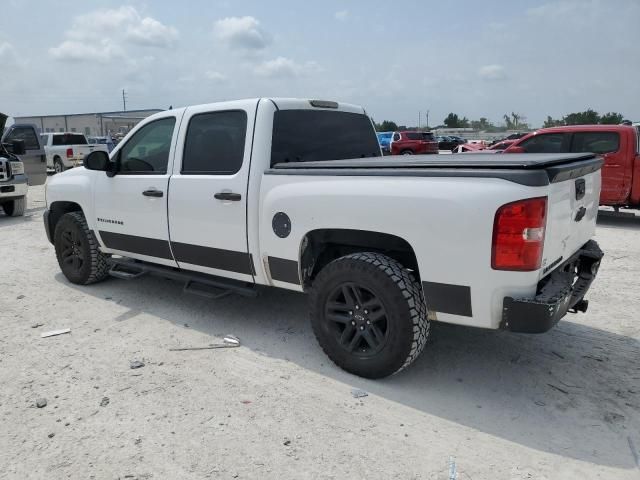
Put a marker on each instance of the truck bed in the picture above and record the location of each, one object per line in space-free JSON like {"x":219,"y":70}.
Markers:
{"x":531,"y":169}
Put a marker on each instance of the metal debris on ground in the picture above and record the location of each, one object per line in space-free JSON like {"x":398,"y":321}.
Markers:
{"x":53,"y":333}
{"x":634,"y":452}
{"x":41,"y":402}
{"x":133,"y":364}
{"x":104,"y":402}
{"x":357,"y":393}
{"x":229,"y":341}
{"x":453,"y":471}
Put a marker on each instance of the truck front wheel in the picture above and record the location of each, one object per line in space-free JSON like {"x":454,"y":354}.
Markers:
{"x":15,"y":207}
{"x":77,"y":250}
{"x":369,"y":315}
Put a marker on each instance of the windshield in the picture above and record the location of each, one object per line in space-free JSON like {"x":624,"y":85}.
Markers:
{"x":311,"y":135}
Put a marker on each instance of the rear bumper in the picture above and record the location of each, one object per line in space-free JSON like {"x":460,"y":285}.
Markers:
{"x":561,"y":291}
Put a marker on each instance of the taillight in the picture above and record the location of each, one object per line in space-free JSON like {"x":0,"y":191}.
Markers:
{"x":69,"y":152}
{"x":518,"y":235}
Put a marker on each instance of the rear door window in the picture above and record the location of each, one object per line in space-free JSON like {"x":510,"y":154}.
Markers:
{"x":596,"y":142}
{"x":312,"y":135}
{"x":215,"y":143}
{"x":26,"y":134}
{"x":547,"y":143}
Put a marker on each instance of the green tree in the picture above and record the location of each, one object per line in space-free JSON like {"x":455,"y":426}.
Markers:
{"x":612,"y":118}
{"x":588,"y":117}
{"x":482,"y":124}
{"x":386,"y":126}
{"x":552,"y":122}
{"x":454,"y":121}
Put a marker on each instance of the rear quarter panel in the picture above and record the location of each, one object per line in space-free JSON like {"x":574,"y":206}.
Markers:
{"x":447,"y":221}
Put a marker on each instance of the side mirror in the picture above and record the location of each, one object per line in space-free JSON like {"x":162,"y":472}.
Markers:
{"x":17,"y":147}
{"x":98,"y":160}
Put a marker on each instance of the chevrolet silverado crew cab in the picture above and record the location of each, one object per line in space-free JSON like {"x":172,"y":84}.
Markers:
{"x":295,"y":194}
{"x":67,"y":149}
{"x":22,"y":164}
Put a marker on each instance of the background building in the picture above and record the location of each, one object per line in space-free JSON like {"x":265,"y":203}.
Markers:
{"x":91,"y":124}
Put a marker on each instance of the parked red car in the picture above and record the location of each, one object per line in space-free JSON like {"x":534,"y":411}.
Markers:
{"x":618,"y":144}
{"x":413,"y":143}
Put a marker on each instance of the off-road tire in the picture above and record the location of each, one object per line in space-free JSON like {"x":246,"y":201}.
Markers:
{"x":400,"y":294}
{"x":15,"y":207}
{"x":94,"y":266}
{"x":58,"y":166}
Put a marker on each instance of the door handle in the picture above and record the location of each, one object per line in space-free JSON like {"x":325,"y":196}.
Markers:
{"x":152,"y":192}
{"x":234,"y":197}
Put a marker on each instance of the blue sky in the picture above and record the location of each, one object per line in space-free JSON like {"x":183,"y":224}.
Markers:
{"x":536,"y":58}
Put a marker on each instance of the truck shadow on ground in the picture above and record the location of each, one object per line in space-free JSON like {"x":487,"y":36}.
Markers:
{"x":623,"y":220}
{"x":572,"y":392}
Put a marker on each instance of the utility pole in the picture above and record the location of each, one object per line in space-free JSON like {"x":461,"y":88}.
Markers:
{"x":124,"y":100}
{"x":427,"y":118}
{"x":419,"y":118}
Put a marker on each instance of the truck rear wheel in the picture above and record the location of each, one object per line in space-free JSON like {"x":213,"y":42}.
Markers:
{"x":58,"y":166}
{"x":15,"y":207}
{"x":368,"y":314}
{"x":77,"y":250}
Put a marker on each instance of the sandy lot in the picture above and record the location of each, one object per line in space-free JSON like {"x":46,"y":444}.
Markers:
{"x":563,"y":405}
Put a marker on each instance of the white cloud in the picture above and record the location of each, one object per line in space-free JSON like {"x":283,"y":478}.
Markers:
{"x":342,"y":15}
{"x":242,"y":32}
{"x":5,"y":49}
{"x":215,"y":76}
{"x":104,"y":34}
{"x":285,"y":67}
{"x":150,"y":32}
{"x":76,"y":51}
{"x":492,"y":72}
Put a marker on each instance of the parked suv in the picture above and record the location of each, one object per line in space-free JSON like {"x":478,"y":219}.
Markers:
{"x":413,"y":143}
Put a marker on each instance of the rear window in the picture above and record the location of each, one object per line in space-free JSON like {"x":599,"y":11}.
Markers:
{"x":595,"y":142}
{"x":69,"y":139}
{"x":313,"y":135}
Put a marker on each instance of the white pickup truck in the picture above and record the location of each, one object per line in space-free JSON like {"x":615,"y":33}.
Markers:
{"x":67,"y":150}
{"x":295,"y":194}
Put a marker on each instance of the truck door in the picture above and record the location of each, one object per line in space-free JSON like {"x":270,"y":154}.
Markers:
{"x":34,"y":159}
{"x":131,"y":207}
{"x":617,"y":168}
{"x":208,"y":190}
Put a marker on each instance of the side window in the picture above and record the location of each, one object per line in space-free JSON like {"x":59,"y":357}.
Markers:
{"x":547,"y":143}
{"x":27,"y":134}
{"x":396,"y":137}
{"x":147,"y":151}
{"x":595,"y":142}
{"x":215,"y":143}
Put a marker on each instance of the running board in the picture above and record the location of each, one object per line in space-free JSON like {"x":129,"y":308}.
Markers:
{"x":194,"y":282}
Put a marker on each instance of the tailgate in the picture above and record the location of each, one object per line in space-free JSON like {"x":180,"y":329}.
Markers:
{"x":571,"y":217}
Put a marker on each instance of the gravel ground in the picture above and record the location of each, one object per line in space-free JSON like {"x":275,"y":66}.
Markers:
{"x":563,"y":405}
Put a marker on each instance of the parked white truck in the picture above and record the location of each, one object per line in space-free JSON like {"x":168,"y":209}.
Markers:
{"x":295,"y":194}
{"x":66,"y":150}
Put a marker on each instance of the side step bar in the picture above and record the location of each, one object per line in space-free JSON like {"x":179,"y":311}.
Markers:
{"x":194,"y":282}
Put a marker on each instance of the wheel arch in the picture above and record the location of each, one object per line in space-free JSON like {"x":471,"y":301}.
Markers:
{"x":56,"y":210}
{"x":320,"y":247}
